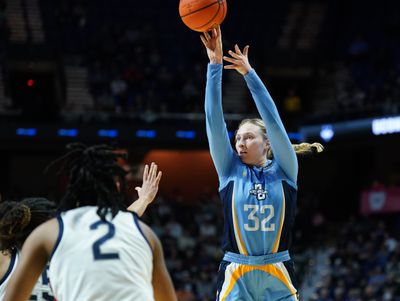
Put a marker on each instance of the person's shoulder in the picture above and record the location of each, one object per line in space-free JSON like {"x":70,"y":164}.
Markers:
{"x":276,"y":170}
{"x":237,"y":170}
{"x":45,"y":235}
{"x":149,"y":235}
{"x":47,"y":228}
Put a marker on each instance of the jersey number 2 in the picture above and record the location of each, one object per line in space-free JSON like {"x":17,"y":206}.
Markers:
{"x":97,"y":254}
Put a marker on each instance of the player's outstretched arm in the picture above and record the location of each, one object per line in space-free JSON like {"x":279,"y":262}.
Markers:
{"x":148,"y":191}
{"x":162,"y":283}
{"x":217,"y":134}
{"x":34,"y":256}
{"x":281,"y":146}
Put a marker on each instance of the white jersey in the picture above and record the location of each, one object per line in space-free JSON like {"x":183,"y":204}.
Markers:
{"x":97,"y":260}
{"x":41,"y":291}
{"x":6,"y":278}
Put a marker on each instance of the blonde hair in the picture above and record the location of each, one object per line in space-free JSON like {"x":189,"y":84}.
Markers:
{"x":302,"y":149}
{"x":257,"y":122}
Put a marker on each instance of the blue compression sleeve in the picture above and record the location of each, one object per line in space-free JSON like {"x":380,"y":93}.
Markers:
{"x":281,"y":146}
{"x":217,"y":134}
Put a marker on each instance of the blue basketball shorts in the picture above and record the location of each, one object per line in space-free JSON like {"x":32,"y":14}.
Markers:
{"x":254,"y":281}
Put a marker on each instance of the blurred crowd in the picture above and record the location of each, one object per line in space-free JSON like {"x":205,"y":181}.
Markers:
{"x":191,"y":237}
{"x":132,"y":66}
{"x":364,"y":264}
{"x":367,"y":82}
{"x":144,"y":67}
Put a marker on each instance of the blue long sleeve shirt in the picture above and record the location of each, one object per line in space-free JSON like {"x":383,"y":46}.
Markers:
{"x":259,"y":202}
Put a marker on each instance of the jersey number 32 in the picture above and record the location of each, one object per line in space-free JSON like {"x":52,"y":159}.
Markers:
{"x":267,"y":212}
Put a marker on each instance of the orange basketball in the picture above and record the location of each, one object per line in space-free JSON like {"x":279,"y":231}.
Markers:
{"x":202,"y":15}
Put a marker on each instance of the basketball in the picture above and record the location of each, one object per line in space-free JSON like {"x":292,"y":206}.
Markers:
{"x":202,"y":15}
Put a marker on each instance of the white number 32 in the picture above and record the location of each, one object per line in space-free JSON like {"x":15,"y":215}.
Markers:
{"x":255,"y":221}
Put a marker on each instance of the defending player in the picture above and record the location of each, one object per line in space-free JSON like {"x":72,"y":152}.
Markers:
{"x":17,"y":221}
{"x":97,"y":250}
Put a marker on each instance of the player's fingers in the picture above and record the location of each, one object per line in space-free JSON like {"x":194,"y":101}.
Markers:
{"x":138,"y":189}
{"x":145,"y":173}
{"x":154,"y":171}
{"x":214,"y":33}
{"x":246,"y":50}
{"x":151,"y":171}
{"x":237,"y":49}
{"x":207,"y":36}
{"x":158,"y":177}
{"x":231,"y":67}
{"x":219,"y":30}
{"x":230,"y":60}
{"x":233,"y":54}
{"x":203,"y":39}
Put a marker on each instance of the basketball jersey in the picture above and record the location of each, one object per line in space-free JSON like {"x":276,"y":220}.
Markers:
{"x":41,"y":291}
{"x":96,"y":260}
{"x":6,"y":278}
{"x":259,"y":207}
{"x":258,"y":202}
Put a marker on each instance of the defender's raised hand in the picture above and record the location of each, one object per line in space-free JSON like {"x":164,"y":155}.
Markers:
{"x":148,"y":191}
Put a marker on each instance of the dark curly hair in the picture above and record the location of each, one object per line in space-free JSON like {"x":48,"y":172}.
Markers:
{"x":93,"y":174}
{"x":19,"y":219}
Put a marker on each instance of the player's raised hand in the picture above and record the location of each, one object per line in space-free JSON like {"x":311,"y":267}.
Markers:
{"x":148,"y":191}
{"x":213,"y":44}
{"x":239,"y":60}
{"x":151,"y":180}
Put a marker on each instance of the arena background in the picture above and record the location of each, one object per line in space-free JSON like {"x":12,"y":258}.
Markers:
{"x":131,"y":74}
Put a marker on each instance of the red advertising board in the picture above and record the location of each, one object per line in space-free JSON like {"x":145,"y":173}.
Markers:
{"x":384,"y":200}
